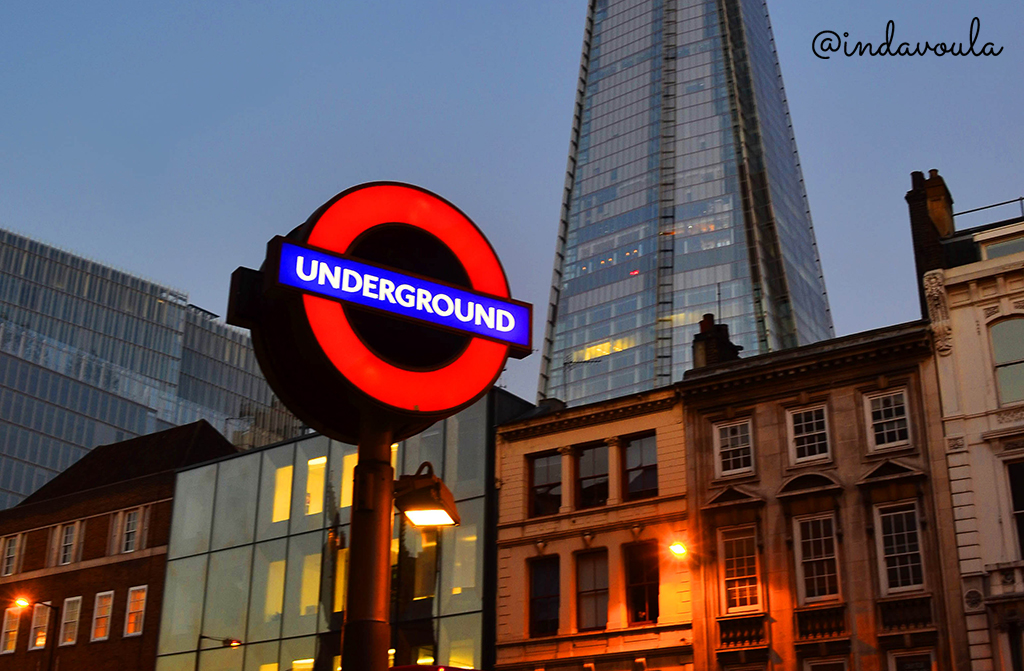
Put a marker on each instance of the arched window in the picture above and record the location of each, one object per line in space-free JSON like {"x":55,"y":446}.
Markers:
{"x":1008,"y":353}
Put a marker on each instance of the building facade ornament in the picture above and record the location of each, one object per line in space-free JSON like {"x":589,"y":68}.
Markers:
{"x":1018,"y":305}
{"x":1011,"y":416}
{"x":955,"y":443}
{"x":938,"y":310}
{"x":991,"y":310}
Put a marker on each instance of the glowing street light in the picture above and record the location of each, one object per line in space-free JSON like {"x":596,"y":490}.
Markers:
{"x":678,"y":549}
{"x":425,"y":500}
{"x":22,"y":602}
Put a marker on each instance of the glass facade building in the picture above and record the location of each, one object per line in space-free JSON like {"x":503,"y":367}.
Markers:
{"x":683,"y":196}
{"x":90,"y":355}
{"x":258,"y":552}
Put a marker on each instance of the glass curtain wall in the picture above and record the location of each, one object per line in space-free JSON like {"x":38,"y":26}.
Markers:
{"x":259,"y":553}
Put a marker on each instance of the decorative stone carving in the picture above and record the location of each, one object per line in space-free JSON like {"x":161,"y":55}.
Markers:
{"x":1014,"y":445}
{"x":991,"y":310}
{"x":938,"y":310}
{"x":1008,"y":577}
{"x":973,"y":599}
{"x":955,"y":443}
{"x":1010,"y":416}
{"x":1018,"y":305}
{"x":565,"y":450}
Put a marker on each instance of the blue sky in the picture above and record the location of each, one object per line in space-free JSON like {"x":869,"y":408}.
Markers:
{"x":174,"y":139}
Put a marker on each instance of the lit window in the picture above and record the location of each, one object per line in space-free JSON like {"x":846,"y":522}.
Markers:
{"x":464,"y":569}
{"x":592,"y":476}
{"x":348,"y":470}
{"x":10,"y":556}
{"x":282,"y":494}
{"x":131,"y":530}
{"x":101,"y":616}
{"x":733,"y":451}
{"x":592,"y":590}
{"x":808,"y":434}
{"x":316,"y":471}
{"x":69,"y":620}
{"x":309,"y":594}
{"x":272,"y":604}
{"x":1008,"y":355}
{"x":642,"y":582}
{"x":340,"y":580}
{"x":66,"y":551}
{"x":641,"y":470}
{"x":887,"y":420}
{"x":40,"y":626}
{"x":9,"y":636}
{"x":817,"y":571}
{"x":544,"y":596}
{"x":136,"y":611}
{"x":899,"y":548}
{"x":545,"y":485}
{"x":738,"y":549}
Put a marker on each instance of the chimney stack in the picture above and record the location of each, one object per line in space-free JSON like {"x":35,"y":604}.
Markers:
{"x":931,"y":221}
{"x":712,"y":344}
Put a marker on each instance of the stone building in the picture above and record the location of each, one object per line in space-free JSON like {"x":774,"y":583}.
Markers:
{"x":972,"y":288}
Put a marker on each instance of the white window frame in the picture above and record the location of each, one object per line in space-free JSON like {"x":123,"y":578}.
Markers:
{"x":883,"y":574}
{"x":827,"y":455}
{"x":61,"y":529}
{"x":12,"y":613}
{"x":38,"y":609}
{"x":13,"y":541}
{"x":809,"y":664}
{"x":716,"y":429}
{"x":127,"y":610}
{"x":64,"y":621}
{"x":759,"y":606}
{"x":894,"y":655}
{"x":872,"y":446}
{"x":95,"y":614}
{"x":798,"y":556}
{"x":137,"y":531}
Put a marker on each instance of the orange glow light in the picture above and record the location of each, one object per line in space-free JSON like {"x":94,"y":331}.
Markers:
{"x":22,"y":602}
{"x":678,"y":549}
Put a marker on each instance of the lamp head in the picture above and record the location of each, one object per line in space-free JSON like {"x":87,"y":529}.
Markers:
{"x":678,"y":549}
{"x":22,"y":602}
{"x":425,"y":499}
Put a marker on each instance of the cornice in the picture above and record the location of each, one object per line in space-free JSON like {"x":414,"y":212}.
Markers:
{"x":559,"y":422}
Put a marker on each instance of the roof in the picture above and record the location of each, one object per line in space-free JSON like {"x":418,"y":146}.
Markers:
{"x":153,"y":453}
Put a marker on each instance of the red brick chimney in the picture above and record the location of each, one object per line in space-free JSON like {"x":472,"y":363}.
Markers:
{"x":712,"y":344}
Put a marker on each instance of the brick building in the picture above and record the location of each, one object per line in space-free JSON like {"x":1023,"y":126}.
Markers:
{"x":88,"y":552}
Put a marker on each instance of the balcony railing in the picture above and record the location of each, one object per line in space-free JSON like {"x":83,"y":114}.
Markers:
{"x":898,"y":615}
{"x":815,"y":623}
{"x":735,"y":633}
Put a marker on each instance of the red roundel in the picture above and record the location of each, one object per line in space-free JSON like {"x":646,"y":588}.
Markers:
{"x":430,"y":391}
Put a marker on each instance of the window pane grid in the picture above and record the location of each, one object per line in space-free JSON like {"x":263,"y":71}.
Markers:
{"x":69,"y":620}
{"x":593,"y":476}
{"x":131,"y":523}
{"x":641,"y":468}
{"x":901,"y":547}
{"x":642,"y":582}
{"x":592,"y":590}
{"x":818,"y":558}
{"x":10,"y":554}
{"x":67,"y":544}
{"x":740,"y":566}
{"x":136,"y":609}
{"x":545,"y":485}
{"x":889,"y":419}
{"x":809,"y":434}
{"x":734,"y":448}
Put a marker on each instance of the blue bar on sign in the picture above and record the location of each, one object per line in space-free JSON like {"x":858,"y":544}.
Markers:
{"x":359,"y":283}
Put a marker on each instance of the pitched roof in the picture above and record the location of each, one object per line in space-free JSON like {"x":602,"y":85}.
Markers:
{"x":146,"y":455}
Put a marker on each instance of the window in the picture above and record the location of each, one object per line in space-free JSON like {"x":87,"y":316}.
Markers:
{"x":817,"y":574}
{"x":899,"y":547}
{"x":316,"y":472}
{"x":592,"y":476}
{"x":137,"y":609}
{"x":887,"y":420}
{"x":101,"y":616}
{"x":808,"y":434}
{"x":733,"y":451}
{"x":282,"y":494}
{"x":642,"y":582}
{"x":544,"y":600}
{"x":69,"y":620}
{"x":641,"y":468}
{"x":994,"y":250}
{"x":1008,"y":355}
{"x":131,"y":531}
{"x":9,"y":560}
{"x":545,"y":485}
{"x":592,"y":590}
{"x":825,"y":665}
{"x":738,"y":550}
{"x":66,"y":550}
{"x":911,"y":661}
{"x":1016,"y":473}
{"x":40,"y":626}
{"x":9,"y":636}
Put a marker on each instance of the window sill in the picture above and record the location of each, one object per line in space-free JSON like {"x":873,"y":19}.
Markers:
{"x":733,"y":478}
{"x":883,"y":453}
{"x":811,"y":463}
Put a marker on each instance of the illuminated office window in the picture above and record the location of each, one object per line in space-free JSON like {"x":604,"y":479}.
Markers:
{"x":282,"y":494}
{"x":136,"y":611}
{"x":316,"y":470}
{"x":9,"y":636}
{"x":101,"y":616}
{"x":40,"y":626}
{"x":340,"y":580}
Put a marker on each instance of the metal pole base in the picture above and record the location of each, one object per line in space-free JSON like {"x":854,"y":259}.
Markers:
{"x":366,"y":646}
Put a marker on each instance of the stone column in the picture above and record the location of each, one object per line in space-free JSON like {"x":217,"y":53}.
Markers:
{"x":616,"y":471}
{"x":568,"y":479}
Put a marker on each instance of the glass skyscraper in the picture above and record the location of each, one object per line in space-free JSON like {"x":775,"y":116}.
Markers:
{"x":683,"y":196}
{"x":91,"y":355}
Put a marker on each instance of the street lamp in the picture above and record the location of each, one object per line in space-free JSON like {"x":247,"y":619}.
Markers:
{"x":678,"y":549}
{"x":425,"y":499}
{"x":24,"y":602}
{"x":224,"y":642}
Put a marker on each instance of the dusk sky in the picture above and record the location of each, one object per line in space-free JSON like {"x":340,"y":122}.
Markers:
{"x":172,"y":140}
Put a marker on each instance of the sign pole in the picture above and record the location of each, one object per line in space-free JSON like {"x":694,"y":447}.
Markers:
{"x":367,"y":628}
